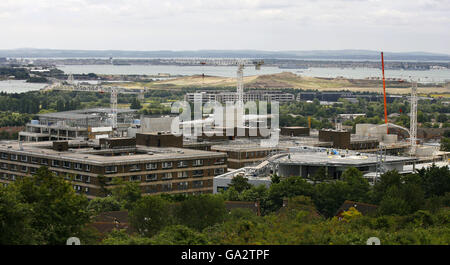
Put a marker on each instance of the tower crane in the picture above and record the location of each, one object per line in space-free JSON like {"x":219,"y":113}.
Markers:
{"x":114,"y":90}
{"x":240,"y":63}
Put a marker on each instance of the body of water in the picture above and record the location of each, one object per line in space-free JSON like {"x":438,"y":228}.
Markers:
{"x":427,"y":76}
{"x":19,"y":86}
{"x":435,"y":75}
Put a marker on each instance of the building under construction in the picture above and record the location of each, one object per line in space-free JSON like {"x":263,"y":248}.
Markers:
{"x":77,"y":124}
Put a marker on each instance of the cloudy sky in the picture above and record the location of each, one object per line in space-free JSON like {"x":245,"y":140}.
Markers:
{"x":393,"y":25}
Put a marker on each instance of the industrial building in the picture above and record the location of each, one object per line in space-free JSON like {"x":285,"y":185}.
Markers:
{"x":156,"y":169}
{"x":77,"y":124}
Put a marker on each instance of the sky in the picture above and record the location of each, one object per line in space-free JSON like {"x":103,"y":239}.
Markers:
{"x":277,"y":25}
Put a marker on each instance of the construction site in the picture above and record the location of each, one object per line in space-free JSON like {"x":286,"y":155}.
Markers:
{"x":107,"y":137}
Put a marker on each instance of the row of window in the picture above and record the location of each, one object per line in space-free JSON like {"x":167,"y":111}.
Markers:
{"x":170,"y":175}
{"x":154,"y":166}
{"x":44,"y":161}
{"x":164,"y":176}
{"x":80,"y":189}
{"x":13,"y":167}
{"x":10,"y":177}
{"x":166,"y":165}
{"x":173,"y":186}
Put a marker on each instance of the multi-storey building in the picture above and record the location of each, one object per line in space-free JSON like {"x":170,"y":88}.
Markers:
{"x":92,"y":167}
{"x":228,"y":96}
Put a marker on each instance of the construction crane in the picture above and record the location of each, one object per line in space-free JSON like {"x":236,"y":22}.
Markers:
{"x":413,"y":118}
{"x":240,"y":63}
{"x":384,"y":93}
{"x":70,"y":85}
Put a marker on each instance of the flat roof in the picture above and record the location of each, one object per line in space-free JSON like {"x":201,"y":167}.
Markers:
{"x":87,"y":154}
{"x":83,"y":113}
{"x":350,"y":159}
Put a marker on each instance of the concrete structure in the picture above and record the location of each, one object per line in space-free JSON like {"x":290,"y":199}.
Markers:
{"x":156,"y":169}
{"x":242,"y":155}
{"x":307,"y":161}
{"x":76,"y":124}
{"x":222,"y":182}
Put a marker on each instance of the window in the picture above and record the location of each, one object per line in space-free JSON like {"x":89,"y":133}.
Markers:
{"x":13,"y":168}
{"x":183,"y":185}
{"x":197,"y":184}
{"x":151,"y":188}
{"x":135,"y":178}
{"x":197,"y":173}
{"x":219,"y":171}
{"x":183,"y":174}
{"x":13,"y":157}
{"x":34,"y":160}
{"x":13,"y":177}
{"x":77,"y":187}
{"x":55,"y":173}
{"x":151,"y":166}
{"x":220,"y":161}
{"x":44,"y":161}
{"x":167,"y":164}
{"x":135,"y":167}
{"x":86,"y":189}
{"x":55,"y":163}
{"x":78,"y":166}
{"x":4,"y":166}
{"x":110,"y":169}
{"x":66,"y":164}
{"x":166,"y":187}
{"x":88,"y":179}
{"x":4,"y":156}
{"x":182,"y":164}
{"x":33,"y":170}
{"x":198,"y":162}
{"x":78,"y":178}
{"x":167,"y":175}
{"x":23,"y":158}
{"x":23,"y":168}
{"x":151,"y":177}
{"x":88,"y":167}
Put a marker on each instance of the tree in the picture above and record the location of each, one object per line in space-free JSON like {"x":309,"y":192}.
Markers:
{"x":289,"y":187}
{"x":150,"y":214}
{"x":135,"y":104}
{"x":15,"y":220}
{"x":200,"y":211}
{"x":328,"y":197}
{"x":106,"y":204}
{"x":57,"y":211}
{"x":179,"y":235}
{"x":388,"y":179}
{"x":445,"y":144}
{"x":435,"y":180}
{"x":127,"y":193}
{"x":359,"y":186}
{"x":240,"y":183}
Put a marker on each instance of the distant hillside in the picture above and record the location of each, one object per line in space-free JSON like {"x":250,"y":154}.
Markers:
{"x":315,"y":54}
